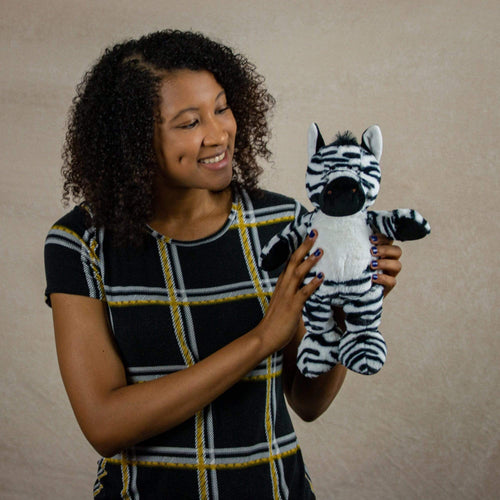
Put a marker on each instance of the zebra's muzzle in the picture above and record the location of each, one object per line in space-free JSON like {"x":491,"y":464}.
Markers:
{"x":341,"y":197}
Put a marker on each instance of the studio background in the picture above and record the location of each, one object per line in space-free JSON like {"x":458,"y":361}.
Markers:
{"x":427,"y":72}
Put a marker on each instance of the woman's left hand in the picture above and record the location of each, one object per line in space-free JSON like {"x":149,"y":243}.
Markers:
{"x":385,"y":263}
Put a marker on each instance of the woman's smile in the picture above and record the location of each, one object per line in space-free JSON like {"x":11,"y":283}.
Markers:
{"x":214,"y":159}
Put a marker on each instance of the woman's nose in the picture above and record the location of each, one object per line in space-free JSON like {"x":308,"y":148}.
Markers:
{"x":215,"y":133}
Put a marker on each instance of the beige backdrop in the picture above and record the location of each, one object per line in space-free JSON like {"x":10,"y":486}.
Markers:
{"x":427,"y":426}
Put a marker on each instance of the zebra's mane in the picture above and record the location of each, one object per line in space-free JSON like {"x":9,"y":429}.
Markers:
{"x":345,"y":139}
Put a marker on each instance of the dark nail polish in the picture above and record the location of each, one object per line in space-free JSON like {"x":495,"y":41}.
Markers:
{"x":374,"y":250}
{"x":375,"y":277}
{"x":320,"y":276}
{"x":317,"y":253}
{"x":311,"y":234}
{"x":373,"y":238}
{"x":374,"y":263}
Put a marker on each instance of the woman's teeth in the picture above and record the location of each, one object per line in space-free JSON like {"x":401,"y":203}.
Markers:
{"x":215,"y":159}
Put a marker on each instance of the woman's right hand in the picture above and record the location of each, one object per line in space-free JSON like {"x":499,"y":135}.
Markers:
{"x":282,"y":317}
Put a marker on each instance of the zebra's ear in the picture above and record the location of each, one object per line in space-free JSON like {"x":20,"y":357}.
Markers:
{"x":372,"y":141}
{"x":314,"y":140}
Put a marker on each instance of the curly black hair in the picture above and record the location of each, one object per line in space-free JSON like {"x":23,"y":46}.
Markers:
{"x":109,"y":161}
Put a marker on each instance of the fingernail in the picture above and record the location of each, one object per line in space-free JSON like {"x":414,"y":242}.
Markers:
{"x":312,"y":234}
{"x":317,"y":253}
{"x":374,"y":263}
{"x":373,"y":238}
{"x":320,"y":276}
{"x":374,"y":250}
{"x":375,"y":277}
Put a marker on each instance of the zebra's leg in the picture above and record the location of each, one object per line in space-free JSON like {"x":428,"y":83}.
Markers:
{"x":362,"y":348}
{"x":318,"y":351}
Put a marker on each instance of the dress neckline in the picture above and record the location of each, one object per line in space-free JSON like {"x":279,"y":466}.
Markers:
{"x":207,"y":239}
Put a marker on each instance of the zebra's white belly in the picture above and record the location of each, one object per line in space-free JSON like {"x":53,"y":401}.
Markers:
{"x":346,"y":245}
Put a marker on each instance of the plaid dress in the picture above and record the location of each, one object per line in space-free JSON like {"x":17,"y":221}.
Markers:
{"x":171,"y":304}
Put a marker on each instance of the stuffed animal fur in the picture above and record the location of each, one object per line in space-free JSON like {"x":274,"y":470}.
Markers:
{"x":342,"y":181}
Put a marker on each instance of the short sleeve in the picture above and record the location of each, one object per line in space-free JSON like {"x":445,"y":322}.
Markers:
{"x":72,"y":264}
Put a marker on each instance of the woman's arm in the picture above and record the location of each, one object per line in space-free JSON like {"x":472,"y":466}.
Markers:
{"x":114,"y":415}
{"x":311,"y":397}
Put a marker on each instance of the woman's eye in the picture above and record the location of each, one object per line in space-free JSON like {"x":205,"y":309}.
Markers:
{"x":189,"y":125}
{"x":222,"y":110}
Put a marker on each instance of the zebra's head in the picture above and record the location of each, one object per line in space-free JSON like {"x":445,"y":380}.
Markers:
{"x":343,"y":177}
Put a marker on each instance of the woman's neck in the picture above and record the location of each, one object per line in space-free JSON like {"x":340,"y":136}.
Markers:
{"x":191,"y":215}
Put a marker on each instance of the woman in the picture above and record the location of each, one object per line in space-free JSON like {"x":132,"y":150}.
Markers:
{"x":174,"y":347}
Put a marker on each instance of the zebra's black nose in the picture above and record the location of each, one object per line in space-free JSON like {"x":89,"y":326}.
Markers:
{"x":343,"y":196}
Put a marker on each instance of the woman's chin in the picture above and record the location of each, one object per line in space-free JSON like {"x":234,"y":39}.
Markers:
{"x":223,"y":183}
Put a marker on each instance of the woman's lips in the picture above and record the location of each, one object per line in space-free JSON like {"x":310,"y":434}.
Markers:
{"x":213,"y":159}
{"x":215,"y":162}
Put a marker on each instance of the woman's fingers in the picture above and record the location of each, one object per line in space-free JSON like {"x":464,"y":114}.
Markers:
{"x":385,"y":263}
{"x":299,"y":265}
{"x":387,"y":266}
{"x":384,"y":248}
{"x":290,"y":283}
{"x":301,"y":252}
{"x":386,"y":280}
{"x":312,"y":286}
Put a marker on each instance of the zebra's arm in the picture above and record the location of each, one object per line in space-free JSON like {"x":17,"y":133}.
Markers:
{"x":282,"y":245}
{"x":401,"y":224}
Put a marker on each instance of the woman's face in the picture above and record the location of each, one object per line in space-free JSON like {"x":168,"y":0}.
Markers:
{"x":194,"y":142}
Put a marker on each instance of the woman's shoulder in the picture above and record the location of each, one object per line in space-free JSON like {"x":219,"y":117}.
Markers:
{"x":276,"y":205}
{"x":267,"y":199}
{"x":77,"y":220}
{"x":72,"y":259}
{"x":74,"y":227}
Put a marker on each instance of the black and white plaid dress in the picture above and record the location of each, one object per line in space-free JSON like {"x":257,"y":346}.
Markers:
{"x":171,"y":304}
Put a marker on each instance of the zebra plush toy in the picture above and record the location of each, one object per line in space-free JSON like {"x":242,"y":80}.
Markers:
{"x":342,"y":181}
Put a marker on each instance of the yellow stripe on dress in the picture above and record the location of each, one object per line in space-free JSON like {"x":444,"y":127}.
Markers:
{"x":243,"y":229}
{"x":125,"y":476}
{"x":174,"y":305}
{"x":197,"y":466}
{"x":268,"y":222}
{"x":262,"y":296}
{"x":94,"y":259}
{"x":184,"y":303}
{"x":95,"y":263}
{"x":189,"y":360}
